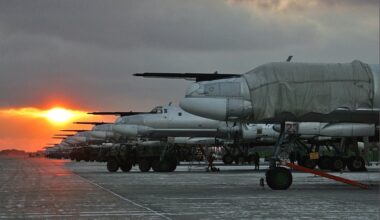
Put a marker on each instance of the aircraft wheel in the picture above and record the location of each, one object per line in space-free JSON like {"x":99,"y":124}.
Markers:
{"x":144,"y":165}
{"x":167,"y":166}
{"x":323,"y":162}
{"x":173,"y":166}
{"x":356,"y":163}
{"x":156,"y":165}
{"x":240,"y":160}
{"x":337,"y":164}
{"x":227,"y":159}
{"x":251,"y":159}
{"x":112,"y":165}
{"x":279,"y":178}
{"x":126,"y":167}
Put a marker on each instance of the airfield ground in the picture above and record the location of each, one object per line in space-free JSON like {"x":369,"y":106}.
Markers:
{"x":42,"y":188}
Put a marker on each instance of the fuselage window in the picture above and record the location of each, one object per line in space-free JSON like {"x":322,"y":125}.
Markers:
{"x":165,"y":110}
{"x":180,"y":114}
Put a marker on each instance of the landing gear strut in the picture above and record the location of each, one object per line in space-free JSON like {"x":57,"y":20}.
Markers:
{"x":278,"y":178}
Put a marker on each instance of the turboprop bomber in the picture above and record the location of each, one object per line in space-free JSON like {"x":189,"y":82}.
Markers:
{"x":338,"y":99}
{"x":171,"y":121}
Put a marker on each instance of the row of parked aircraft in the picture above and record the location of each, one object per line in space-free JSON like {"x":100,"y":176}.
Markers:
{"x":294,"y":107}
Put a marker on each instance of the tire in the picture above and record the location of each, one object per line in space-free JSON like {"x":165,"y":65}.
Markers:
{"x":126,"y":167}
{"x":173,"y":166}
{"x":356,"y":163}
{"x":324,"y":162}
{"x":251,"y":159}
{"x":227,"y":159}
{"x":279,"y":178}
{"x":112,"y":165}
{"x":156,"y":165}
{"x":240,"y":160}
{"x":144,"y":165}
{"x":166,"y":166}
{"x":337,"y":164}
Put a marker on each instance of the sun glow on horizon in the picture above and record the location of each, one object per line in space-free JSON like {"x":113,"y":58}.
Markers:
{"x":55,"y":115}
{"x":59,"y":115}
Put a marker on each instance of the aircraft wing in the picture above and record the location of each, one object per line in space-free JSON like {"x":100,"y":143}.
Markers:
{"x":91,"y":123}
{"x":63,"y":135}
{"x":118,"y":113}
{"x":188,"y":76}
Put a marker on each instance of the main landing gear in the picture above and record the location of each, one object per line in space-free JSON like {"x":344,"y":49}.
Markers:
{"x":280,"y":178}
{"x":277,"y":177}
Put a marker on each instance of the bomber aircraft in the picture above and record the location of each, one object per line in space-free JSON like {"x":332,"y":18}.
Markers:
{"x":327,"y":99}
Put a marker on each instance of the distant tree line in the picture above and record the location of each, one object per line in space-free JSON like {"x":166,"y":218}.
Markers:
{"x":9,"y":152}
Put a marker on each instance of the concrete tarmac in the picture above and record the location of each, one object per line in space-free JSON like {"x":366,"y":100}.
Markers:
{"x":59,"y":189}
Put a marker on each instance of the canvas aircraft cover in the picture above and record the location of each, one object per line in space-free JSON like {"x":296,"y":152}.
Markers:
{"x":301,"y":88}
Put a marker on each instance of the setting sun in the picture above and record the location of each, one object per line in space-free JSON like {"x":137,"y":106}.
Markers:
{"x":59,"y":115}
{"x":56,"y":115}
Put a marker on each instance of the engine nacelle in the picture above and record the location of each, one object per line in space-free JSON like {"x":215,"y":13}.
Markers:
{"x":331,"y":129}
{"x":259,"y":132}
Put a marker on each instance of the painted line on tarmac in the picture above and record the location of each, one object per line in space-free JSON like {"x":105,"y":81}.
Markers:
{"x":123,"y":198}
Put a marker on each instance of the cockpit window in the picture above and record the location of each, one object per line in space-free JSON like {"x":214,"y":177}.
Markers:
{"x":157,"y":110}
{"x":119,"y":120}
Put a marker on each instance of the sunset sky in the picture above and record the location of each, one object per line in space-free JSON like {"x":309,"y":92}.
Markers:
{"x":80,"y":55}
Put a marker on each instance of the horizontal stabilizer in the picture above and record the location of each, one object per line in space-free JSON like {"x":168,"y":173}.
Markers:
{"x":189,"y":76}
{"x":118,"y":113}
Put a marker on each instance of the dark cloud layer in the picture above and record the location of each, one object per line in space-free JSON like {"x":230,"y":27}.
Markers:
{"x":84,"y":52}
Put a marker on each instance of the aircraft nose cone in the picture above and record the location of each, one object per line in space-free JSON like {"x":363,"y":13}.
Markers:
{"x":79,"y":139}
{"x":128,"y":130}
{"x":213,"y":108}
{"x":101,"y":134}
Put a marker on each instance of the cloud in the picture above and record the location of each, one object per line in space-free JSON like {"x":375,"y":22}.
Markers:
{"x":82,"y":54}
{"x":186,"y":25}
{"x":299,"y":5}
